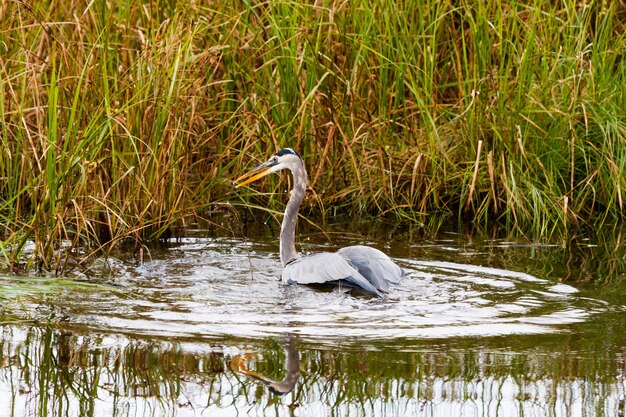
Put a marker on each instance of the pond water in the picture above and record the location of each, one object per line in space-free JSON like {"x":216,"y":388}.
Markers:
{"x":481,"y":326}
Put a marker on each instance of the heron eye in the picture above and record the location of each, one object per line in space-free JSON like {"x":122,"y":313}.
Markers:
{"x":275,"y":160}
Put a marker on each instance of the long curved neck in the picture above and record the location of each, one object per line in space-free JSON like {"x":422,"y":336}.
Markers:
{"x":288,"y":227}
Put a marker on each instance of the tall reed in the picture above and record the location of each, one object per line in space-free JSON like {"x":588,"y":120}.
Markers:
{"x":118,"y":120}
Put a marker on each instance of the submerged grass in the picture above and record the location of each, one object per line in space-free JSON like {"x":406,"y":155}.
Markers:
{"x":119,"y":120}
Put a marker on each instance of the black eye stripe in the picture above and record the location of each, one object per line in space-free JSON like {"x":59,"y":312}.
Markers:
{"x":287,"y":151}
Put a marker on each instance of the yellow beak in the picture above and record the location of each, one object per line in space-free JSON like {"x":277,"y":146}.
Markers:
{"x":258,"y":172}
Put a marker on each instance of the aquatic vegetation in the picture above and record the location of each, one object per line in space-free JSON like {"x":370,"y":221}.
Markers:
{"x":119,"y":122}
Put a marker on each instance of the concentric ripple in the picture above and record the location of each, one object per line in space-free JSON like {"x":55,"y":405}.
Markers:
{"x":212,"y":288}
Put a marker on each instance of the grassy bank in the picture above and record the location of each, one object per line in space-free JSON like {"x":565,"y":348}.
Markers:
{"x":119,"y":119}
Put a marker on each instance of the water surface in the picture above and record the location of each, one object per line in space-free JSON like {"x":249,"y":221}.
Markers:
{"x":480,"y":326}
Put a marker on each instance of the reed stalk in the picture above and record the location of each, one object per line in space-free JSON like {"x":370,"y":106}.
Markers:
{"x":120,"y":120}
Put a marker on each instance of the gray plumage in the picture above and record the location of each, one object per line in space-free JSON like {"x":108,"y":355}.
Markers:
{"x":353,"y":267}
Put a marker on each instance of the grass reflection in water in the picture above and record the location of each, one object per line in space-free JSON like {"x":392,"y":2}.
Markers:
{"x":48,"y":372}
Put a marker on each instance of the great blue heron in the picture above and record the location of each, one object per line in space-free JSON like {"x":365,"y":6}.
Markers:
{"x":352,"y":267}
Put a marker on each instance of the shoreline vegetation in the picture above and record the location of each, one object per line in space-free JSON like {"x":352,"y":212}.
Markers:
{"x":119,"y":120}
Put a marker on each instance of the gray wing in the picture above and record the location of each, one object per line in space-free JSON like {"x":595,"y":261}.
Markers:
{"x":374,"y":265}
{"x":361,"y":266}
{"x":325,"y":267}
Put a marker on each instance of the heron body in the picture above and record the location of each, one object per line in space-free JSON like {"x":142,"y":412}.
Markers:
{"x":360,"y":267}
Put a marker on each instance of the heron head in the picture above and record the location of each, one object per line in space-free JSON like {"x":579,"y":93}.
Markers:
{"x":286,"y":158}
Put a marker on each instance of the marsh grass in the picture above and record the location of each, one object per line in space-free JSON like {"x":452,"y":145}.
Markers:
{"x":120,"y":120}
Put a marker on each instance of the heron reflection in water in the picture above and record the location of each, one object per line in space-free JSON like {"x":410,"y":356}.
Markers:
{"x":359,"y":267}
{"x":292,"y":366}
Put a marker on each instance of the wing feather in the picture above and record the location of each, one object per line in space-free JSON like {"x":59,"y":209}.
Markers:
{"x":374,"y":265}
{"x":360,"y":266}
{"x":325,"y":267}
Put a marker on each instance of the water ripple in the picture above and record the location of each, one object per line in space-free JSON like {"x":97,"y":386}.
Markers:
{"x":213,"y":288}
